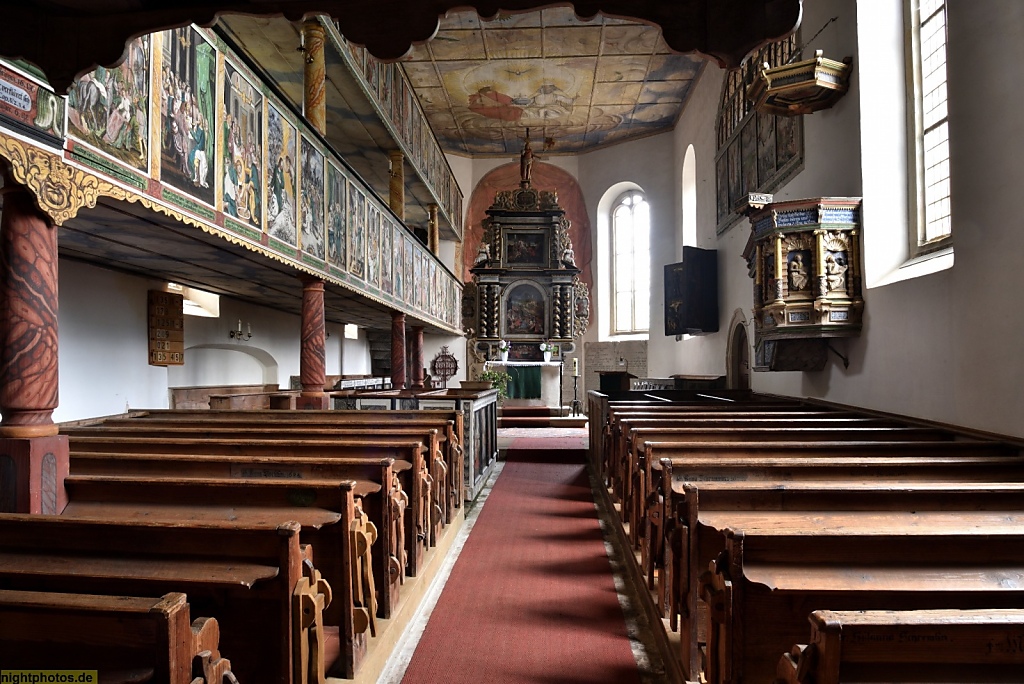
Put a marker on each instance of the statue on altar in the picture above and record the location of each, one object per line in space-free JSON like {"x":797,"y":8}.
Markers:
{"x":526,"y":162}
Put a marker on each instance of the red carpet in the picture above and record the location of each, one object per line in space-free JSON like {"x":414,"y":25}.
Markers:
{"x":531,"y":598}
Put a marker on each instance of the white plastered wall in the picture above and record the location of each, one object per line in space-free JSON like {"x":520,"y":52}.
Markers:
{"x":104,"y":346}
{"x":943,"y":346}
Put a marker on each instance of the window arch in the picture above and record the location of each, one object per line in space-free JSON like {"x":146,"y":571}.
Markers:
{"x":631,"y":264}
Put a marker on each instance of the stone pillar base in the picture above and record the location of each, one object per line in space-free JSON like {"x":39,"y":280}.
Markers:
{"x":313,"y":401}
{"x":32,"y":472}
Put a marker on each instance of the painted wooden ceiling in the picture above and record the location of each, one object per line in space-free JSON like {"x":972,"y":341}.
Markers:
{"x":577,"y":83}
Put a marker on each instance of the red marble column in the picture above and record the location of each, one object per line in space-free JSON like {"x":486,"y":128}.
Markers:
{"x":417,"y":357}
{"x":33,"y":458}
{"x":312,"y":359}
{"x":397,"y":350}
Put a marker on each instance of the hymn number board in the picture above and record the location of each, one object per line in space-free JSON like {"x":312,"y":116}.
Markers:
{"x":166,"y":329}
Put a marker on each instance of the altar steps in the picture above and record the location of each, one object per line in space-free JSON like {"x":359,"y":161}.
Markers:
{"x":538,"y":417}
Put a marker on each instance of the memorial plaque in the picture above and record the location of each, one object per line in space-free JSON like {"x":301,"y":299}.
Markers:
{"x":166,"y":329}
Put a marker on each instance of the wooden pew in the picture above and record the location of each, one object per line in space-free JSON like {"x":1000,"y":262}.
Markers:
{"x":124,"y":638}
{"x":779,"y":567}
{"x":275,"y":482}
{"x":450,"y":422}
{"x":908,"y":646}
{"x":634,"y":476}
{"x":600,"y":409}
{"x":648,"y":510}
{"x":617,"y":430}
{"x":415,"y":480}
{"x":331,"y":522}
{"x":441,"y":502}
{"x":253,"y":581}
{"x":692,"y":543}
{"x":681,"y":566}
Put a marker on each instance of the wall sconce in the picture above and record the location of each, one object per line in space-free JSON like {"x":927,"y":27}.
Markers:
{"x":238,"y":334}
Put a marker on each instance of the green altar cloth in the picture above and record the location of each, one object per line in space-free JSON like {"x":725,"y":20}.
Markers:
{"x":524,"y":382}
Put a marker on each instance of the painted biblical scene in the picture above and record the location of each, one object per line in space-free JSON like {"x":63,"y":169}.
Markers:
{"x":524,"y":311}
{"x":523,"y":249}
{"x":399,"y":263}
{"x":337,"y":247}
{"x":188,"y":80}
{"x":373,"y":245}
{"x":312,"y":200}
{"x":109,"y":108}
{"x":386,"y":256}
{"x":410,"y":284}
{"x":281,"y":207}
{"x":419,"y":287}
{"x":356,"y":231}
{"x":243,"y":148}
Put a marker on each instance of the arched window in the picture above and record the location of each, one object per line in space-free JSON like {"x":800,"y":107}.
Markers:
{"x":631,"y":264}
{"x":690,"y":198}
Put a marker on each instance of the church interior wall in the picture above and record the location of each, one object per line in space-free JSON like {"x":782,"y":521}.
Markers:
{"x":648,"y":162}
{"x":943,"y":346}
{"x":104,"y":348}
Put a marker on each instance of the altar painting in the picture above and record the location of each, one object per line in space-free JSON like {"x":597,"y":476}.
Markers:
{"x":523,"y":249}
{"x":525,"y":311}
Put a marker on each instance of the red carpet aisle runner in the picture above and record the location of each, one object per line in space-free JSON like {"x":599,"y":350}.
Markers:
{"x":531,"y":598}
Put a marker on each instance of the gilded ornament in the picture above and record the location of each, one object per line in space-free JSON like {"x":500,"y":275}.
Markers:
{"x":60,"y":190}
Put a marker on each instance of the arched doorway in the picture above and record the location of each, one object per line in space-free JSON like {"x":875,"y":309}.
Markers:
{"x":737,"y":362}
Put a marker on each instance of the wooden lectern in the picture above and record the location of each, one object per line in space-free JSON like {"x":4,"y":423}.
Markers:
{"x":615,"y":381}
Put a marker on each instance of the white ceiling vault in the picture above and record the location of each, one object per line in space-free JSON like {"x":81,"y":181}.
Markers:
{"x":576,"y":83}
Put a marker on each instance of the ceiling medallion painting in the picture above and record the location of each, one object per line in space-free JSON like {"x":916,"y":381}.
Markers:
{"x":581,"y":83}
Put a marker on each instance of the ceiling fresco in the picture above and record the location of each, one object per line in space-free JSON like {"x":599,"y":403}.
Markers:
{"x":578,"y":83}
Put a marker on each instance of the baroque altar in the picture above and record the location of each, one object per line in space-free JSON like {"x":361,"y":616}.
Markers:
{"x":526,"y":287}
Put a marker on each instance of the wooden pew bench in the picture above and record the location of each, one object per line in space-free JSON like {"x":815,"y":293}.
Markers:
{"x":272,"y":482}
{"x":253,"y":581}
{"x":335,"y":527}
{"x":124,"y":638}
{"x":449,"y":422}
{"x":616,"y":431}
{"x":692,"y":543}
{"x":672,"y":468}
{"x":602,"y":415}
{"x":779,"y":567}
{"x":649,"y":501}
{"x":908,"y":646}
{"x":634,"y":476}
{"x":415,"y":480}
{"x":441,"y":502}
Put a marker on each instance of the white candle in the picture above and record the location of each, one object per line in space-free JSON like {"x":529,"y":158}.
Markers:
{"x":239,"y":325}
{"x":575,"y":366}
